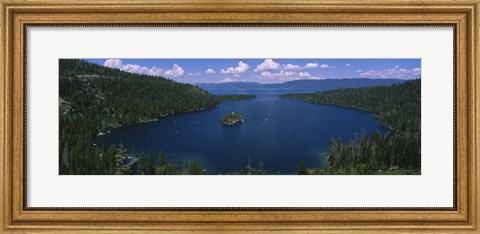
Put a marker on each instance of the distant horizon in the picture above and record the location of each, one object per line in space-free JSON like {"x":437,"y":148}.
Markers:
{"x":236,"y":82}
{"x":266,"y":71}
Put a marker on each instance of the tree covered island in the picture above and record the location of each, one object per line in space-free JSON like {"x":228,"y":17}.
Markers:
{"x":233,"y":118}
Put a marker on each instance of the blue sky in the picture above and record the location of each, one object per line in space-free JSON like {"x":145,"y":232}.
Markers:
{"x":267,"y":70}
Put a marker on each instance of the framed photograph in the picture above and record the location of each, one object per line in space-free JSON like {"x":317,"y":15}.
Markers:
{"x":168,"y":116}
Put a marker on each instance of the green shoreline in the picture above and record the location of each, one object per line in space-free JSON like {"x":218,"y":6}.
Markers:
{"x":348,"y":107}
{"x":397,"y":107}
{"x":221,"y":98}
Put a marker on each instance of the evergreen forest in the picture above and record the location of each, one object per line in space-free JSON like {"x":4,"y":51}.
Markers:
{"x":95,"y":99}
{"x":398,"y":152}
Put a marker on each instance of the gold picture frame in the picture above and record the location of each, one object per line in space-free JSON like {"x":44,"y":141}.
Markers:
{"x":16,"y":15}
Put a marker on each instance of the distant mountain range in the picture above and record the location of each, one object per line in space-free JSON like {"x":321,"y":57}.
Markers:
{"x":319,"y":85}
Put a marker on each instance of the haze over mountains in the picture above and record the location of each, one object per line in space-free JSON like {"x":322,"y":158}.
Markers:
{"x":319,"y":85}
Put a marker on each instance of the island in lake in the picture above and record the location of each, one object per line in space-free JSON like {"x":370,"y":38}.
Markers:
{"x":239,"y":116}
{"x":232,"y":119}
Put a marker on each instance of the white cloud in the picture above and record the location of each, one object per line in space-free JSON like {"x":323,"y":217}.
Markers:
{"x":155,"y":71}
{"x":271,"y":65}
{"x":347,"y":65}
{"x":210,"y":71}
{"x":282,"y":75}
{"x":395,"y":72}
{"x":286,"y":76}
{"x":194,"y":74}
{"x":359,"y":70}
{"x":133,"y":68}
{"x":307,"y":66}
{"x":268,"y":64}
{"x":176,"y":71}
{"x":265,"y":75}
{"x":113,"y":63}
{"x":311,"y":65}
{"x":227,"y":79}
{"x":417,"y":71}
{"x":326,"y":66}
{"x":292,"y":67}
{"x":304,"y":74}
{"x":241,"y":68}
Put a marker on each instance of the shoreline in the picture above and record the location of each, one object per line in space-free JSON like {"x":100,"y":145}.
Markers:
{"x":100,"y":133}
{"x":390,"y":128}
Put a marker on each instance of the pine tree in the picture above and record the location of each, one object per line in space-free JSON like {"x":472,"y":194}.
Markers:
{"x":261,"y":170}
{"x":65,"y":160}
{"x":302,"y":168}
{"x":121,"y":168}
{"x":161,"y":159}
{"x":141,"y":164}
{"x":150,"y":167}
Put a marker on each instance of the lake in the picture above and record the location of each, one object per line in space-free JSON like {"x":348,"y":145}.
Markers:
{"x":277,"y":132}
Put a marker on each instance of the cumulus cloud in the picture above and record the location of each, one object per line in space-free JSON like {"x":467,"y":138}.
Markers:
{"x":286,"y":76}
{"x":347,"y":65}
{"x":417,"y":71}
{"x":292,"y":67}
{"x":395,"y":72}
{"x":241,"y":68}
{"x":311,"y":65}
{"x":359,"y":70}
{"x":295,"y":67}
{"x":271,"y":65}
{"x":227,"y":79}
{"x":326,"y":66}
{"x":176,"y":71}
{"x":304,"y":74}
{"x":113,"y":63}
{"x":132,"y":68}
{"x":194,"y":73}
{"x":268,"y":64}
{"x":282,"y":75}
{"x":210,"y":71}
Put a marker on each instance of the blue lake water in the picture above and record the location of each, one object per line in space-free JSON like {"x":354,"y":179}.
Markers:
{"x":277,"y":132}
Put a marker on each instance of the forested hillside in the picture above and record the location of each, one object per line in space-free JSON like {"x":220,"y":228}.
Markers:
{"x":94,"y":99}
{"x":397,"y":106}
